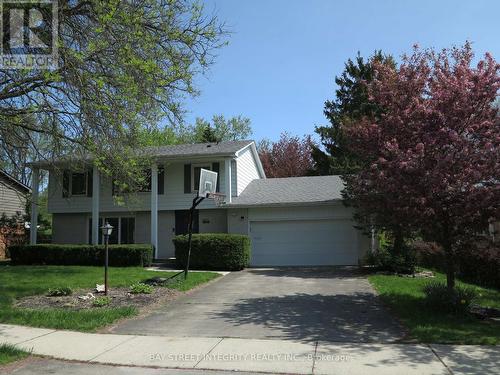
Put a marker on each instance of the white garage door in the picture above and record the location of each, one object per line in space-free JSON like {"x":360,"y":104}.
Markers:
{"x":303,"y":243}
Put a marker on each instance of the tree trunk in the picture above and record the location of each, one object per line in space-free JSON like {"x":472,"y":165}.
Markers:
{"x":399,"y":240}
{"x":450,"y":266}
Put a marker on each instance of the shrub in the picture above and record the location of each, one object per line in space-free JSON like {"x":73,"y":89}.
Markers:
{"x":81,"y":255}
{"x":141,"y":288}
{"x":429,"y":254}
{"x":478,"y":263}
{"x":61,"y":291}
{"x":404,"y":262}
{"x":439,"y":298}
{"x":101,"y":301}
{"x":214,"y":251}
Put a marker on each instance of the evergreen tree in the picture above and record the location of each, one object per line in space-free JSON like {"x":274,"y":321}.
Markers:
{"x":351,"y":103}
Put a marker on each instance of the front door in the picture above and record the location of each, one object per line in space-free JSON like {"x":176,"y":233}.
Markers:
{"x":182,"y":222}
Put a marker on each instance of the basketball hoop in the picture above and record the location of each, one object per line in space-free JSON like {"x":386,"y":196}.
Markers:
{"x":206,"y":190}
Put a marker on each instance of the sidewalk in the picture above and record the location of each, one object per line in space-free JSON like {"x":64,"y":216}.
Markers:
{"x":272,"y":356}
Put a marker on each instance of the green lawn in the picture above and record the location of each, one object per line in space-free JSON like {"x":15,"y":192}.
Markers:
{"x":9,"y":353}
{"x":19,"y":281}
{"x":406,"y":299}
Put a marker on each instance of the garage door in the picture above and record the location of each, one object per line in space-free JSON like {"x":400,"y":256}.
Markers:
{"x":303,"y":243}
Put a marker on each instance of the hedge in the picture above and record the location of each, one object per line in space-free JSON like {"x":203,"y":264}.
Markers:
{"x":214,"y":251}
{"x":479,"y":264}
{"x":81,"y":255}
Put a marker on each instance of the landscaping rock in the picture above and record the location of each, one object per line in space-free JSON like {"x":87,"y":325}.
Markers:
{"x":100,"y":288}
{"x":423,"y":274}
{"x":86,"y":297}
{"x":120,"y":297}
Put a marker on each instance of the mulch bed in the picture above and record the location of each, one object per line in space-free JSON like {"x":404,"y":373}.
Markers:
{"x":120,"y":297}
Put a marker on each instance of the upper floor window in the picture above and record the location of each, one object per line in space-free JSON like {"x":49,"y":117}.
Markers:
{"x":192,"y":175}
{"x":196,"y":171}
{"x":77,"y":183}
{"x":145,"y":186}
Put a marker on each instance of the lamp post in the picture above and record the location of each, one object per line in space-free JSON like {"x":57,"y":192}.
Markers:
{"x":106,"y":231}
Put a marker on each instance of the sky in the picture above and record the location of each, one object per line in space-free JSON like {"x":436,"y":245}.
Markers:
{"x":283,"y":56}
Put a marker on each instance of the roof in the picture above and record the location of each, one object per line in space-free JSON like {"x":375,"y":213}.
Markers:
{"x":228,"y":148}
{"x":220,"y":149}
{"x":14,"y":181}
{"x":290,"y":190}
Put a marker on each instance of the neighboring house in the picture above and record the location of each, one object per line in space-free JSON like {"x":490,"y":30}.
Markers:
{"x":291,"y":221}
{"x":13,"y":195}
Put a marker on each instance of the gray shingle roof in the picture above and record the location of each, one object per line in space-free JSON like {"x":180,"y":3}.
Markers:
{"x":228,"y":148}
{"x":199,"y":149}
{"x":291,"y":190}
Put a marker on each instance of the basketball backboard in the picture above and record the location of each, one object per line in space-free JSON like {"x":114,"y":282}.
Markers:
{"x":208,"y":183}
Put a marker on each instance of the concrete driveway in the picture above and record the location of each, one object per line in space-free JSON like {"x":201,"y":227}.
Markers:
{"x":306,"y":304}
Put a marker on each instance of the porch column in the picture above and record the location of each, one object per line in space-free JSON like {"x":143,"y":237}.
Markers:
{"x":154,"y":209}
{"x":35,"y":180}
{"x":95,"y":206}
{"x":227,"y":178}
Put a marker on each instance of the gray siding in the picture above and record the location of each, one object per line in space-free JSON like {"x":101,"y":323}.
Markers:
{"x":213,"y":221}
{"x":12,"y":200}
{"x":70,"y":228}
{"x":237,"y":221}
{"x":172,"y":199}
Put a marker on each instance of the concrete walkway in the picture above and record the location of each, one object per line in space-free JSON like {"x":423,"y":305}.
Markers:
{"x":254,"y":355}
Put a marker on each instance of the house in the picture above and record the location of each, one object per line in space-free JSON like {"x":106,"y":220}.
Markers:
{"x":291,"y":221}
{"x":13,"y":195}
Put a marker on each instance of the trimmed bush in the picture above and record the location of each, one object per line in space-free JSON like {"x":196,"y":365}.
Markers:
{"x":439,"y":298}
{"x":81,"y":255}
{"x":214,"y":251}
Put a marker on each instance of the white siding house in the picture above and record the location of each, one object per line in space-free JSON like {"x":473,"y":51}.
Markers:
{"x":296,"y":221}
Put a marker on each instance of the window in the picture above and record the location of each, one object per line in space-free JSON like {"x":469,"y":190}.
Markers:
{"x":127,"y":227}
{"x":78,"y":183}
{"x":146,"y":188}
{"x":196,"y":175}
{"x":123,"y":230}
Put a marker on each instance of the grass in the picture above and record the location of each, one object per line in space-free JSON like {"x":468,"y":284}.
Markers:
{"x":406,"y":299}
{"x":20,"y":281}
{"x":9,"y":353}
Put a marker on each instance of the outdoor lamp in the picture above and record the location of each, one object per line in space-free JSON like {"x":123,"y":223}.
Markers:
{"x":106,"y":229}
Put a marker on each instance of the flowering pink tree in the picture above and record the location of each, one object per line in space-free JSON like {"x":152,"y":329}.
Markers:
{"x":290,"y":156}
{"x":432,"y":159}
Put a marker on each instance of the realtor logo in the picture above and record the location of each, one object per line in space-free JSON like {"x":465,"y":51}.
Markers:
{"x":29,"y":34}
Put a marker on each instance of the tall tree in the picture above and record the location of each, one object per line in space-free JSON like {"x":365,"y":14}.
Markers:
{"x":432,"y":160}
{"x":122,"y":65}
{"x":351,"y":103}
{"x":290,"y":156}
{"x":219,"y":129}
{"x":202,"y":131}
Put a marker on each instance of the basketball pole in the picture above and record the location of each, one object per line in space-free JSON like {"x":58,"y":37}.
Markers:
{"x":196,"y":201}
